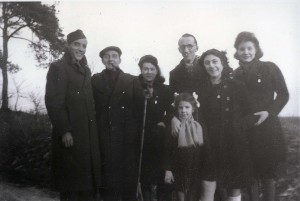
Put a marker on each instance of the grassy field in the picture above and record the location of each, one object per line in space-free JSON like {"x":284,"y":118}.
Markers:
{"x":288,"y":181}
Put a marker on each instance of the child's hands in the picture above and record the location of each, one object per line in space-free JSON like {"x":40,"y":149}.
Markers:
{"x":175,"y":126}
{"x":169,"y":179}
{"x":263,"y":115}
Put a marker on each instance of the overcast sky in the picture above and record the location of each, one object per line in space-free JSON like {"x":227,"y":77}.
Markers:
{"x":154,"y":27}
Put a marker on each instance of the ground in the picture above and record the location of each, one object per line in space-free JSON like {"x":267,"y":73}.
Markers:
{"x":13,"y":192}
{"x":288,"y":182}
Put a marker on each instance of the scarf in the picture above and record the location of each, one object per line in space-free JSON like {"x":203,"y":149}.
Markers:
{"x":190,"y":133}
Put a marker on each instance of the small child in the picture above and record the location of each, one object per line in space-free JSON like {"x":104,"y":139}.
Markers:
{"x":184,"y":157}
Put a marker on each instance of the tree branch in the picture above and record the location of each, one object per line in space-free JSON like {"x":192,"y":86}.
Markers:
{"x":18,"y":29}
{"x":22,"y":39}
{"x":14,"y":23}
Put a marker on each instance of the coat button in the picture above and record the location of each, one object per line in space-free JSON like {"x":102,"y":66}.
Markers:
{"x":225,"y":86}
{"x":77,"y":92}
{"x":228,"y":98}
{"x":227,"y":109}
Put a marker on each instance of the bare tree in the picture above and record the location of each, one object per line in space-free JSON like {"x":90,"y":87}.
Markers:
{"x":19,"y":87}
{"x":36,"y":100}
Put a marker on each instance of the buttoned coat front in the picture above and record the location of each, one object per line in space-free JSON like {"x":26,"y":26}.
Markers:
{"x":227,"y":131}
{"x":263,"y":80}
{"x":70,"y":105}
{"x":118,"y":133}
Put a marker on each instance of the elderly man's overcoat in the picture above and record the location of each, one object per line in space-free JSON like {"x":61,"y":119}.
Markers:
{"x":69,"y":101}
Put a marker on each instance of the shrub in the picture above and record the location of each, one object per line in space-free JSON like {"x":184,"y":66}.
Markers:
{"x":25,"y":149}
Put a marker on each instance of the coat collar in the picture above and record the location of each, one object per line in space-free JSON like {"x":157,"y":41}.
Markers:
{"x":81,"y":66}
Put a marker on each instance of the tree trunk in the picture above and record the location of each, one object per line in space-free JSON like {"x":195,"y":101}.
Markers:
{"x":4,"y":61}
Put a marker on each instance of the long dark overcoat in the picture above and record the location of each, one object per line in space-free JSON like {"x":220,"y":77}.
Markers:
{"x":263,"y":80}
{"x":69,"y":101}
{"x":158,"y":106}
{"x":227,"y":132}
{"x":118,"y":133}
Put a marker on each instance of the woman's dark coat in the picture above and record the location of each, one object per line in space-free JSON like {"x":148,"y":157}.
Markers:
{"x":117,"y":131}
{"x":70,"y":105}
{"x":263,"y":80}
{"x":235,"y":121}
{"x":158,"y":106}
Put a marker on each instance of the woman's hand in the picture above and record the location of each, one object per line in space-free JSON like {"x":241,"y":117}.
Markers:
{"x":67,"y":139}
{"x":263,"y":115}
{"x":169,"y":179}
{"x":175,"y":126}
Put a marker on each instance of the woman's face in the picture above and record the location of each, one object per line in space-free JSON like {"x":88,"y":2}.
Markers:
{"x":213,"y":66}
{"x":148,"y":71}
{"x":185,"y":110}
{"x":246,"y":51}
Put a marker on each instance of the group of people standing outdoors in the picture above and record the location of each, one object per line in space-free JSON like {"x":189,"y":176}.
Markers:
{"x":210,"y":133}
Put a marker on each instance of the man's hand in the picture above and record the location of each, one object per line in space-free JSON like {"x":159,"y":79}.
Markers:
{"x":263,"y":115}
{"x":67,"y":139}
{"x":161,"y":124}
{"x":169,"y":179}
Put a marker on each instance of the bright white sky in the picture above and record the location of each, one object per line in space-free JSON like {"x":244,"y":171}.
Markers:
{"x":154,"y":27}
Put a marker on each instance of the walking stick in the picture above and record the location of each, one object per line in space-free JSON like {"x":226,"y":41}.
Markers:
{"x":139,"y":194}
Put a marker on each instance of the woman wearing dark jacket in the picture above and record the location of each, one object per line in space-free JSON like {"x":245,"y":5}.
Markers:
{"x":225,"y":108}
{"x":149,"y":84}
{"x":263,"y":80}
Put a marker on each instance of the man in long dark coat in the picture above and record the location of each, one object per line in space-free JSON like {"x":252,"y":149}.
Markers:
{"x":113,"y":93}
{"x":69,"y":101}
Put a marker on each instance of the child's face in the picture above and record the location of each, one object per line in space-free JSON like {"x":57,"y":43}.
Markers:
{"x":185,"y":110}
{"x":246,"y":51}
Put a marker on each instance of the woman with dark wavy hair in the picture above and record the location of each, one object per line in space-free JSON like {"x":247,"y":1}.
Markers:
{"x":263,"y":80}
{"x":224,"y":107}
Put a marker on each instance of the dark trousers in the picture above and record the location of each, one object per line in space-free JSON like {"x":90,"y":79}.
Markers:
{"x":77,"y":196}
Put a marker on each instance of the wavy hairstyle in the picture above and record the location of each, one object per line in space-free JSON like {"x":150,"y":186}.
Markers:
{"x":227,"y":70}
{"x":153,"y":60}
{"x":246,"y":36}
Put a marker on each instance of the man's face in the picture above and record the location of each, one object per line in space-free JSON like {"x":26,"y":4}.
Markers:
{"x":111,"y":59}
{"x":187,"y":48}
{"x":77,"y":49}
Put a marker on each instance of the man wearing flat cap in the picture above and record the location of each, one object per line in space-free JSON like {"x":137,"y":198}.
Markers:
{"x":117,"y":127}
{"x":75,"y":146}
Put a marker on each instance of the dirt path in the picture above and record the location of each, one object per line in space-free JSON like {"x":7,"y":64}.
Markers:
{"x":10,"y":192}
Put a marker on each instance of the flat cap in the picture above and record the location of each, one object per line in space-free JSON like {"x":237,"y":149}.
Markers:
{"x":117,"y":49}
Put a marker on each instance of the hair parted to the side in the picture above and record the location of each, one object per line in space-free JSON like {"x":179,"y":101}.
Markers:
{"x":189,"y":35}
{"x":224,"y":60}
{"x":246,"y":36}
{"x":188,"y":98}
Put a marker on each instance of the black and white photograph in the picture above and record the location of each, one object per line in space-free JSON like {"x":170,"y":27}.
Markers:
{"x":150,"y":100}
